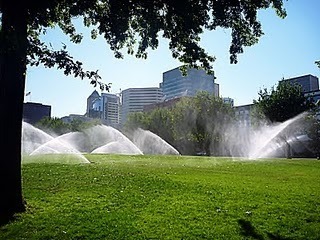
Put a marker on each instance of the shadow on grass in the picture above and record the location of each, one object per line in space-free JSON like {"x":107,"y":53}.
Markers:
{"x":248,"y":230}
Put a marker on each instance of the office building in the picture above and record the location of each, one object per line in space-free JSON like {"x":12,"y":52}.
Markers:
{"x":34,"y":112}
{"x":228,"y":100}
{"x":105,"y":107}
{"x":175,"y":84}
{"x":243,"y":114}
{"x":75,"y":117}
{"x":135,"y":99}
{"x":310,"y":88}
{"x":93,"y":97}
{"x":308,"y":82}
{"x":163,"y":104}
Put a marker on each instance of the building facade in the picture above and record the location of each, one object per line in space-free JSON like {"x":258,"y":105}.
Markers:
{"x":310,"y":88}
{"x":74,"y":117}
{"x":175,"y":85}
{"x":163,"y":104}
{"x":34,"y":112}
{"x":228,"y":100}
{"x":309,"y":83}
{"x":93,"y":97}
{"x":135,"y":99}
{"x":243,"y":114}
{"x":105,"y":107}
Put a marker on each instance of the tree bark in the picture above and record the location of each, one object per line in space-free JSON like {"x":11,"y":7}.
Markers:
{"x":13,"y":51}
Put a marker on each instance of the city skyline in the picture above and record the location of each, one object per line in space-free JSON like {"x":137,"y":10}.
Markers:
{"x":288,"y":49}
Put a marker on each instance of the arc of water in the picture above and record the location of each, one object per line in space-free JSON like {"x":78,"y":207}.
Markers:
{"x":151,"y":143}
{"x":59,"y":147}
{"x":260,"y":150}
{"x":101,"y":138}
{"x":118,"y":147}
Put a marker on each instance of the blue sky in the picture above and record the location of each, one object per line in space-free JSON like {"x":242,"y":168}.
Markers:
{"x":288,"y":48}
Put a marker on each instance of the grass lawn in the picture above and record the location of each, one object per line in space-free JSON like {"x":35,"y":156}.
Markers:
{"x":169,"y":197}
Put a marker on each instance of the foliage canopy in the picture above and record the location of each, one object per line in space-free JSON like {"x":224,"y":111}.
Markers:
{"x":137,"y":25}
{"x":193,"y":125}
{"x":282,"y":102}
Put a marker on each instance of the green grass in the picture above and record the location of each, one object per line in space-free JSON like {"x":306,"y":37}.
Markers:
{"x":169,"y":197}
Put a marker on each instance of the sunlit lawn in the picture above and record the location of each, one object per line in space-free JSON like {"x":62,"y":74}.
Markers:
{"x":169,"y":197}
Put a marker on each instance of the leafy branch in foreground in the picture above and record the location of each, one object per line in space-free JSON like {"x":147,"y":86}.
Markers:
{"x":39,"y":53}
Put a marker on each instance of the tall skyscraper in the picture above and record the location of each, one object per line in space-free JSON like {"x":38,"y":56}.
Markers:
{"x":134,"y":99}
{"x":175,"y":85}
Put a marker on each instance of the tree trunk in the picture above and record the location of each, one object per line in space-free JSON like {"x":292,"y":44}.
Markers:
{"x":13,"y":51}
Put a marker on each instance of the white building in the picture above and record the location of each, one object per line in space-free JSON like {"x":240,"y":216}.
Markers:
{"x":134,"y":99}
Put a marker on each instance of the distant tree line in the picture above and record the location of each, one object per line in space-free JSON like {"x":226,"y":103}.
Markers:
{"x":58,"y":127}
{"x":193,"y":125}
{"x":201,"y":124}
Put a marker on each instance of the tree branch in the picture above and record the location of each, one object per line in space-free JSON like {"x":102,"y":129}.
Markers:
{"x":39,"y":53}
